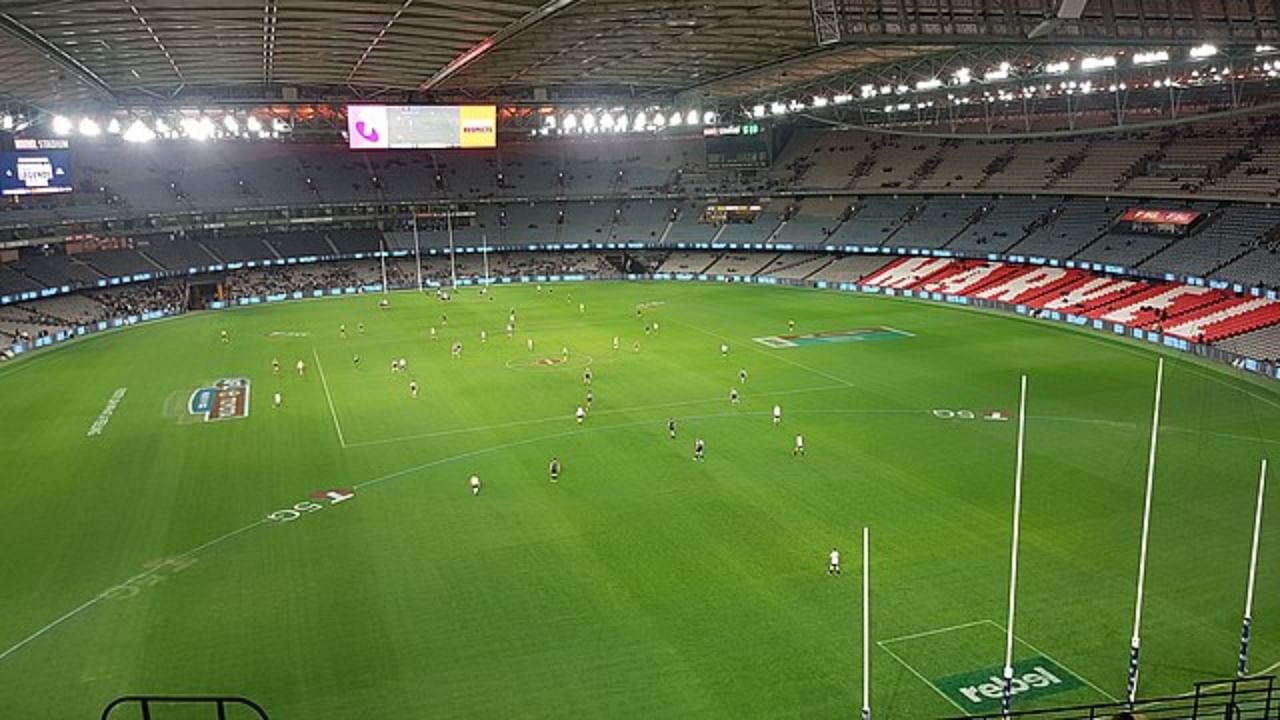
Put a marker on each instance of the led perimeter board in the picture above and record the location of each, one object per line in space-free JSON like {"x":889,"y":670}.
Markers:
{"x":410,"y":127}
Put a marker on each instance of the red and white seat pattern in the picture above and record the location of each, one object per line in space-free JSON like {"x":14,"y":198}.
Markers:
{"x":1191,"y":312}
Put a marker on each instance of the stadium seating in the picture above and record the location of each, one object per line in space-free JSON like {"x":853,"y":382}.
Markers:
{"x":1000,"y":223}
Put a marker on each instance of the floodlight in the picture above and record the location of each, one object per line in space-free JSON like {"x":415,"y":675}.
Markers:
{"x":1201,"y":52}
{"x":61,"y":125}
{"x":90,"y":128}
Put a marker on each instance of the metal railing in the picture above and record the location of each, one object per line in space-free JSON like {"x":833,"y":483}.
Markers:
{"x":146,"y":705}
{"x":1247,"y":698}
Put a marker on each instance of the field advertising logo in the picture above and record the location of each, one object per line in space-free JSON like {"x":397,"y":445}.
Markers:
{"x":228,"y":398}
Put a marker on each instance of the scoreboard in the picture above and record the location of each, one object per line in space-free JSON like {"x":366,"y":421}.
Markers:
{"x":737,"y":147}
{"x":409,"y":127}
{"x":36,"y":167}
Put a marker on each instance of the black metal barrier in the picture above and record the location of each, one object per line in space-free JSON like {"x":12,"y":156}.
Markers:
{"x":219,"y":703}
{"x":1247,"y":698}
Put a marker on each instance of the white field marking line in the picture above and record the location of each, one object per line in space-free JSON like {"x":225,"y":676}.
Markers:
{"x":903,"y":333}
{"x":929,"y":633}
{"x":776,"y":356}
{"x":96,"y":598}
{"x":596,"y":413}
{"x":923,"y":679}
{"x":1057,"y":662}
{"x":1172,"y":428}
{"x":399,"y":473}
{"x":1119,"y":342}
{"x":342,"y":441}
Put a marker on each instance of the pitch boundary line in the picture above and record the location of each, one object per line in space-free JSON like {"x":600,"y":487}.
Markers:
{"x":922,"y":678}
{"x":342,"y":441}
{"x":929,"y":633}
{"x":1057,"y":662}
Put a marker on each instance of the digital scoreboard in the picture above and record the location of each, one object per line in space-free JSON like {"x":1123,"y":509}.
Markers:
{"x":36,"y":167}
{"x":737,"y":147}
{"x":411,"y":127}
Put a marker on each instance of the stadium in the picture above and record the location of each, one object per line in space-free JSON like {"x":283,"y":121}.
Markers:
{"x":605,"y":359}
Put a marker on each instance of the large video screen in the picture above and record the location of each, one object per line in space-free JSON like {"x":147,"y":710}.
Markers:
{"x":35,"y":172}
{"x":393,"y":127}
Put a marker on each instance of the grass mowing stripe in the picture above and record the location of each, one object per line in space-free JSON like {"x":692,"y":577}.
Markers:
{"x":140,"y":576}
{"x":776,"y":356}
{"x":562,"y":418}
{"x":390,"y":476}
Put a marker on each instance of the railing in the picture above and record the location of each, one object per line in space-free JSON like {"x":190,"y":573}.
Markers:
{"x":219,"y":704}
{"x":1248,"y":698}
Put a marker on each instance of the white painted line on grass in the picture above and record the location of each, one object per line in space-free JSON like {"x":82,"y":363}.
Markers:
{"x":96,"y":598}
{"x":923,"y":679}
{"x":1058,"y":662}
{"x":389,"y":476}
{"x":342,"y":441}
{"x":929,"y":633}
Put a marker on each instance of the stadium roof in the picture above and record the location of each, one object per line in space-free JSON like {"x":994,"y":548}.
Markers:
{"x":121,"y":52}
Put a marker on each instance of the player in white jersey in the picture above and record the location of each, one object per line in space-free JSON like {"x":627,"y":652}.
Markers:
{"x":456,"y":351}
{"x":404,"y":364}
{"x":395,"y":367}
{"x":564,"y":354}
{"x":276,"y":400}
{"x":275,"y":366}
{"x":733,"y":395}
{"x":724,"y":349}
{"x":586,"y":376}
{"x":615,"y":342}
{"x":475,"y":484}
{"x":581,"y":414}
{"x":799,"y":448}
{"x":529,"y":344}
{"x":742,"y":376}
{"x":413,"y":389}
{"x":225,"y":338}
{"x":302,"y":367}
{"x":484,"y":336}
{"x":699,"y":449}
{"x":511,"y":330}
{"x":834,"y":567}
{"x":342,"y":331}
{"x":777,"y":414}
{"x":433,"y":333}
{"x":582,"y":308}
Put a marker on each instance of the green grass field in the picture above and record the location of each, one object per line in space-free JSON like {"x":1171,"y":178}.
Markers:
{"x":643,"y":584}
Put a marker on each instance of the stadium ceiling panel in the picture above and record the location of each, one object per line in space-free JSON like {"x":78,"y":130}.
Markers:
{"x":59,"y":52}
